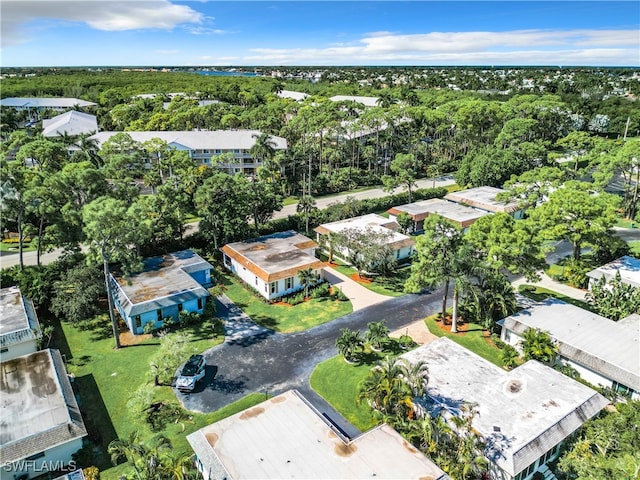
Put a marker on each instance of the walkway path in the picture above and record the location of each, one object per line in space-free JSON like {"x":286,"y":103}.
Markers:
{"x":360,"y":296}
{"x":550,"y":284}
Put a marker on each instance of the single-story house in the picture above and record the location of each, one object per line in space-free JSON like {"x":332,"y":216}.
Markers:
{"x":270,"y":264}
{"x":401,"y":244}
{"x":167,"y":285}
{"x":366,"y":101}
{"x":456,"y":213}
{"x":71,"y":123}
{"x":603,"y":352}
{"x":484,"y":198}
{"x":524,"y":415}
{"x":285,"y":437}
{"x":204,"y":146}
{"x":42,"y":426}
{"x":629,"y":268}
{"x":45,"y":103}
{"x":293,"y":95}
{"x":19,"y":327}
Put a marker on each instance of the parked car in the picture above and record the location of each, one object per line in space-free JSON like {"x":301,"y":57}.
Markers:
{"x":191,"y":373}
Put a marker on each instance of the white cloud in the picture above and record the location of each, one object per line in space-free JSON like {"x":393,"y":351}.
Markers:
{"x":103,"y":15}
{"x":522,"y":47}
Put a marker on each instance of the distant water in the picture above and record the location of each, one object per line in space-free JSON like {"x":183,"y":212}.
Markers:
{"x":224,"y":73}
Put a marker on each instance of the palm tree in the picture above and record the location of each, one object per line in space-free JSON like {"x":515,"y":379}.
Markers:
{"x":349,"y":343}
{"x":306,"y":205}
{"x":307,"y":277}
{"x":263,"y":148}
{"x":538,"y":345}
{"x":377,"y":334}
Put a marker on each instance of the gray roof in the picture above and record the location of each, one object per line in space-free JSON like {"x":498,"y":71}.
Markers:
{"x":71,"y":123}
{"x":164,"y":281}
{"x":270,"y":255}
{"x":483,"y":198}
{"x":284,"y":437}
{"x":200,"y":139}
{"x":39,"y":409}
{"x":18,"y":319}
{"x":450,"y":210}
{"x":602,"y":345}
{"x":522,"y":413}
{"x":629,"y":268}
{"x":33,"y":102}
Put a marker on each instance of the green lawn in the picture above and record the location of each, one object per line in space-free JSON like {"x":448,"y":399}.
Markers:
{"x":540,"y":293}
{"x":391,"y":286}
{"x":473,"y":338}
{"x":105,"y":379}
{"x":13,"y":247}
{"x":284,"y":318}
{"x":337,"y":382}
{"x":635,"y":248}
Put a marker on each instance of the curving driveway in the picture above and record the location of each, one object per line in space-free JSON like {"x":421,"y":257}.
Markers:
{"x":255,"y":359}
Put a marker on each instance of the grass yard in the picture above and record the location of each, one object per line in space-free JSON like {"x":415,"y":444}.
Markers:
{"x":13,"y":247}
{"x":284,"y":318}
{"x":106,"y":378}
{"x":539,"y":293}
{"x":391,"y":286}
{"x":635,"y":248}
{"x":337,"y":382}
{"x":473,"y":337}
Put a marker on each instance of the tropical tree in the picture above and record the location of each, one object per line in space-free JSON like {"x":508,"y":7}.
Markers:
{"x":174,"y":349}
{"x":403,"y":167}
{"x":307,"y":278}
{"x":366,"y":249}
{"x":349,"y":343}
{"x":13,"y":204}
{"x":377,"y":334}
{"x":306,"y":205}
{"x":538,"y":345}
{"x":614,"y":299}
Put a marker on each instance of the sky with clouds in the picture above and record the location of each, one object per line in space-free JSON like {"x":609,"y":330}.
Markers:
{"x":220,"y":33}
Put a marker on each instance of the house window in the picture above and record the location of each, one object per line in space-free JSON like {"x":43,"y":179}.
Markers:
{"x":137,"y":321}
{"x":159,"y":314}
{"x":274,"y":287}
{"x":199,"y":304}
{"x":526,"y":472}
{"x":4,"y":350}
{"x":621,"y":389}
{"x":288,"y":283}
{"x":180,"y":307}
{"x":217,"y":151}
{"x":398,"y":254}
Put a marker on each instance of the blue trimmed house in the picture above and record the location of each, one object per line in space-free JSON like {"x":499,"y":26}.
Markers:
{"x":167,"y":285}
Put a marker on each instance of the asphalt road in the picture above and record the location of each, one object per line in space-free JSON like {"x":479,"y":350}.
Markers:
{"x":272,"y":363}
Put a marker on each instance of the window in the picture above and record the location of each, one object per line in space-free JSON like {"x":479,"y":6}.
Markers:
{"x":137,"y":321}
{"x":199,"y":304}
{"x":159,"y":314}
{"x":274,"y":287}
{"x":288,"y":283}
{"x":621,"y":389}
{"x":4,"y":350}
{"x":398,"y":254}
{"x":526,"y":472}
{"x":180,"y":307}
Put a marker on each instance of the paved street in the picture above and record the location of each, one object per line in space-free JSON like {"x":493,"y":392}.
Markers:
{"x":264,"y":361}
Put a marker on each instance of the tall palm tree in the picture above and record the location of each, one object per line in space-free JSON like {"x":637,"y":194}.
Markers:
{"x":306,"y":205}
{"x":377,"y":334}
{"x":307,"y":277}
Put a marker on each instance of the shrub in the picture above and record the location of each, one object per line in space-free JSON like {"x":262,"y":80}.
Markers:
{"x":319,"y":291}
{"x":339,"y":295}
{"x":148,"y":328}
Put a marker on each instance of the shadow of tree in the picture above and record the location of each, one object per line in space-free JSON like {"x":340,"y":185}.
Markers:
{"x":229,"y":385}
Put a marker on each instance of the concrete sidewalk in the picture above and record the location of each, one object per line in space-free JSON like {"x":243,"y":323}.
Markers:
{"x":550,"y":284}
{"x":361,"y":297}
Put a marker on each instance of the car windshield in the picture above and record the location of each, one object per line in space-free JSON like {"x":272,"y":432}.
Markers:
{"x":191,"y":368}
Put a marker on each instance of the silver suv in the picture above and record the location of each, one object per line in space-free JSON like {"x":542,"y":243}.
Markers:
{"x":192,"y":371}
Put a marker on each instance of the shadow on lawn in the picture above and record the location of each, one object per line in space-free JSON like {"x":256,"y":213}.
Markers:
{"x":97,"y":421}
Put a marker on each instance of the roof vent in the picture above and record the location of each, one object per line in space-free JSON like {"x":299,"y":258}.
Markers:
{"x":513,"y":386}
{"x":496,"y":428}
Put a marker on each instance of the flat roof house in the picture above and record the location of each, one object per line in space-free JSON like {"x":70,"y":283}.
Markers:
{"x":366,"y":101}
{"x":524,"y":415}
{"x":270,"y":264}
{"x":604,"y":352}
{"x":461,"y":215}
{"x":42,"y":426}
{"x":629,"y":268}
{"x":45,"y":103}
{"x":167,"y":285}
{"x":285,"y":437}
{"x":19,"y":327}
{"x":484,"y":198}
{"x":204,"y":146}
{"x":401,"y":244}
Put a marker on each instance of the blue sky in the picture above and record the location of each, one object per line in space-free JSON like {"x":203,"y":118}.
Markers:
{"x":217,"y":33}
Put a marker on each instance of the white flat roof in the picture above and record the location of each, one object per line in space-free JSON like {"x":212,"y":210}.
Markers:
{"x":607,"y":347}
{"x":372,"y":221}
{"x":522,"y":413}
{"x":18,"y":321}
{"x":39,"y":410}
{"x":450,"y":210}
{"x":200,"y":140}
{"x":629,"y":268}
{"x":367,"y":101}
{"x":484,"y":198}
{"x":285,"y":438}
{"x":44,"y":102}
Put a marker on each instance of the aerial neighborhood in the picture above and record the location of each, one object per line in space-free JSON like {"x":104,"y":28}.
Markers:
{"x":320,"y":273}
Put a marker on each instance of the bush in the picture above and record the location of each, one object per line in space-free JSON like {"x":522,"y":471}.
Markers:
{"x":339,"y":295}
{"x":319,"y":291}
{"x":148,"y":328}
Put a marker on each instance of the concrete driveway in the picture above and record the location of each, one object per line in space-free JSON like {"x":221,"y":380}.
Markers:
{"x":361,"y":297}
